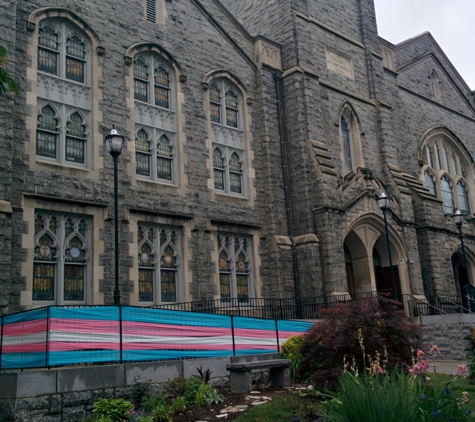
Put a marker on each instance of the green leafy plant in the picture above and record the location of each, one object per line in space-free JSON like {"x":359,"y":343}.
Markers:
{"x":291,"y":349}
{"x":150,"y":403}
{"x":140,"y":416}
{"x":115,"y":409}
{"x":178,"y":404}
{"x":204,"y":375}
{"x":193,"y":386}
{"x":471,"y":366}
{"x":214,"y":397}
{"x":140,"y":390}
{"x":6,"y":82}
{"x":203,"y":391}
{"x":163,"y":413}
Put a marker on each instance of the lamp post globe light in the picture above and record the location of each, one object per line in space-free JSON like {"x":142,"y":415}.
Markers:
{"x":383,"y":202}
{"x":114,"y":144}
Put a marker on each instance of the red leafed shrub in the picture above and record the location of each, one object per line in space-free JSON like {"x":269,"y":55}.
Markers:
{"x":335,"y":337}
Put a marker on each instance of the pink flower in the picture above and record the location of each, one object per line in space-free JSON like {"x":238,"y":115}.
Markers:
{"x":434,"y":350}
{"x":462,"y":370}
{"x":420,"y":354}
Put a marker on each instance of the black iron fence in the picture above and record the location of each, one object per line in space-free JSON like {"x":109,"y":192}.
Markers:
{"x":310,"y":307}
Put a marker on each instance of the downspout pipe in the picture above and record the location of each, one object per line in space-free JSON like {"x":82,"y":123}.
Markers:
{"x":280,"y":114}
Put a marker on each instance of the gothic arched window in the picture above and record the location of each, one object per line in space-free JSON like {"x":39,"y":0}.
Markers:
{"x":348,"y":159}
{"x":155,"y":148}
{"x":63,"y":94}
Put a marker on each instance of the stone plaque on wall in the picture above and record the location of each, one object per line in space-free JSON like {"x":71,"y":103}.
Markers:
{"x":267,"y":53}
{"x":339,"y":63}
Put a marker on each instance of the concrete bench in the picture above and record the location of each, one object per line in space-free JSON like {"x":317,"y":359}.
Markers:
{"x":240,"y":377}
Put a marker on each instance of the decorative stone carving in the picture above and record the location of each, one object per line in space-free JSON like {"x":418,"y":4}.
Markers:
{"x":31,"y":26}
{"x":226,"y":135}
{"x":150,"y":115}
{"x":249,"y":101}
{"x":100,"y":50}
{"x":267,"y":54}
{"x":205,"y":86}
{"x":183,"y":78}
{"x":128,"y":60}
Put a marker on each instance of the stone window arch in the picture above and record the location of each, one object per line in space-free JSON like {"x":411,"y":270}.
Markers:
{"x":154,"y":80}
{"x":350,"y":142}
{"x":447,"y":171}
{"x":229,"y":147}
{"x":64,"y":83}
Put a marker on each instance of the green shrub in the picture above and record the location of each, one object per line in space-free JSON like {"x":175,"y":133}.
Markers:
{"x":176,"y":387}
{"x":192,"y":388}
{"x":163,"y":413}
{"x":140,"y":391}
{"x":291,"y":349}
{"x":150,"y":403}
{"x":113,"y":409}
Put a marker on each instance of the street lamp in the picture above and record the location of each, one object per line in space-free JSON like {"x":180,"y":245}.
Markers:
{"x":114,"y":144}
{"x":458,"y":220}
{"x":383,"y":202}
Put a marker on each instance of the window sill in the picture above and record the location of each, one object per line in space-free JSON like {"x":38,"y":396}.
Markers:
{"x":155,"y":183}
{"x":227,"y":197}
{"x":62,"y":166}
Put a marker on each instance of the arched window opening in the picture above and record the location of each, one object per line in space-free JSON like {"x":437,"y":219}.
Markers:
{"x":435,"y":85}
{"x":63,"y":82}
{"x":346,"y":141}
{"x":154,"y":91}
{"x":462,"y":194}
{"x":430,"y":184}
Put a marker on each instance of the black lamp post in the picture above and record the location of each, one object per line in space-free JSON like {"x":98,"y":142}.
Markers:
{"x":458,"y":220}
{"x":114,"y":144}
{"x":383,"y":202}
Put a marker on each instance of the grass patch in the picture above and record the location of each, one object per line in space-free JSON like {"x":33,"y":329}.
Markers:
{"x":457,"y":387}
{"x":280,"y":409}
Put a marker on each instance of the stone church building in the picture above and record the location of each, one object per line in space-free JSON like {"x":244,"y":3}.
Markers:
{"x":258,"y":135}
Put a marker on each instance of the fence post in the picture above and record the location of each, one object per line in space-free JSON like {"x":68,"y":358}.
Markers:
{"x":47,"y":336}
{"x":232,"y":333}
{"x":120,"y":332}
{"x":1,"y":343}
{"x":277,"y":335}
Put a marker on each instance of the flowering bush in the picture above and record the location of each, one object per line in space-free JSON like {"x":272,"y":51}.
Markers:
{"x":382,"y":323}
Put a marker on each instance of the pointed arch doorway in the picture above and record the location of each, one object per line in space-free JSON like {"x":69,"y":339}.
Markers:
{"x":462,"y":280}
{"x":367,"y":260}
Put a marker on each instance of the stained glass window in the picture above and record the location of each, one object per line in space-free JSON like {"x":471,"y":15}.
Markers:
{"x":162,"y":88}
{"x":231,"y":109}
{"x":75,"y":59}
{"x":76,"y":139}
{"x":346,"y":145}
{"x":447,"y":195}
{"x":430,"y":157}
{"x":47,"y":133}
{"x":218,"y":169}
{"x":62,"y":128}
{"x":48,"y":50}
{"x":164,"y":159}
{"x":159,"y":263}
{"x":234,"y":267}
{"x":142,"y":153}
{"x":235,"y":173}
{"x":215,"y":103}
{"x":140,"y":80}
{"x":462,"y":194}
{"x":454,"y":165}
{"x":61,"y":258}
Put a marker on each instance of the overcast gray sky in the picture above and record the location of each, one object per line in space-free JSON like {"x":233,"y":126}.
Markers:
{"x":451,"y":23}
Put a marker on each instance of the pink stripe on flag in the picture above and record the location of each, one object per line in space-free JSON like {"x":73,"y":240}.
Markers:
{"x":24,"y":328}
{"x":241,"y":332}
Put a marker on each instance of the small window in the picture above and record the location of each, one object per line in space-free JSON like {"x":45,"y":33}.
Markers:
{"x":159,"y":263}
{"x":61,"y":269}
{"x":227,"y":170}
{"x":159,"y":79}
{"x":230,"y":102}
{"x":235,"y":275}
{"x":348,"y":162}
{"x":435,"y":85}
